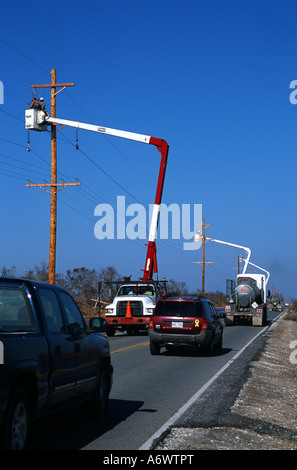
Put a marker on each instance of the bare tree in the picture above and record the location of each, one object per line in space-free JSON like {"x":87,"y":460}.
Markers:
{"x":177,"y":287}
{"x":108,"y":275}
{"x":38,"y":273}
{"x":8,"y":272}
{"x":81,"y":283}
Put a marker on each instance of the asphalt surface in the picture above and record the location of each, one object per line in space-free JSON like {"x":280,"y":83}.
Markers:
{"x":250,"y":407}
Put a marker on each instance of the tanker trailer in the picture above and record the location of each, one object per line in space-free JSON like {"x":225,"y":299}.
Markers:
{"x":248,"y":300}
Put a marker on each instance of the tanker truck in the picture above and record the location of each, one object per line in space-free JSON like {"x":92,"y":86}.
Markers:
{"x":248,"y":300}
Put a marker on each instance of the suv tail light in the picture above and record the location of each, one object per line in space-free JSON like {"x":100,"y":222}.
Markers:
{"x":204,"y":325}
{"x":151,"y":325}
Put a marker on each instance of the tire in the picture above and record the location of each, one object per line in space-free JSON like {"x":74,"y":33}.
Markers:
{"x":154,"y":348}
{"x":219,"y":345}
{"x":210,"y":347}
{"x":100,"y":400}
{"x":17,"y":422}
{"x":110,"y":331}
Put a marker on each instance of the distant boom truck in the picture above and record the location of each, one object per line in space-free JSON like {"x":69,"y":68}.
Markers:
{"x":275,"y":302}
{"x":248,"y":300}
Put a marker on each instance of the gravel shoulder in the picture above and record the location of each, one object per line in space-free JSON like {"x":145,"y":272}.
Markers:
{"x":248,"y":408}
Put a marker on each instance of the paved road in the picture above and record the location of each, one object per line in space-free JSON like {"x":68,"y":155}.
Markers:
{"x":147,"y":392}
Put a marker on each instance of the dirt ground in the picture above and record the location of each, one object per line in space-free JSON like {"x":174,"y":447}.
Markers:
{"x":267,"y":398}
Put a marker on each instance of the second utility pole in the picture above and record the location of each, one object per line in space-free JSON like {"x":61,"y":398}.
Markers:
{"x":53,"y":220}
{"x":203,"y":262}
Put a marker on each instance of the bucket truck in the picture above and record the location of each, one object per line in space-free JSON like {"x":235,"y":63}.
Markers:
{"x":134,"y":312}
{"x":275,"y":302}
{"x":248,"y":301}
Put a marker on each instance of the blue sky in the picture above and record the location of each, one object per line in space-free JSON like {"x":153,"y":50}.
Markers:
{"x":210,"y":77}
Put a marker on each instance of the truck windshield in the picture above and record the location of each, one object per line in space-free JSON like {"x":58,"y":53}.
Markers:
{"x":14,"y":311}
{"x":136,"y":290}
{"x":179,"y":309}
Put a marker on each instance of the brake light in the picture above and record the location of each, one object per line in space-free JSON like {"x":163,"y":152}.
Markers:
{"x":151,"y":326}
{"x":227,"y":308}
{"x":259,"y":310}
{"x":204,"y":325}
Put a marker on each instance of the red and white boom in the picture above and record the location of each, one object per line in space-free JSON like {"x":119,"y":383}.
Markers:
{"x":37,"y":120}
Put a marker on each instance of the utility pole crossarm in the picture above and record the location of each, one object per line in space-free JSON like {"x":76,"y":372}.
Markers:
{"x":50,"y":85}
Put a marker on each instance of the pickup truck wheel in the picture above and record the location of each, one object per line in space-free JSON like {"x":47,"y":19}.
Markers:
{"x":101,"y":394}
{"x":17,"y":422}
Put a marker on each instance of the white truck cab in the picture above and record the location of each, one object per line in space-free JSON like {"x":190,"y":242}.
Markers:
{"x":133,"y":306}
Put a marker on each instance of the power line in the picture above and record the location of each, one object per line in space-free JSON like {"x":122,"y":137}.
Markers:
{"x":23,"y":55}
{"x":9,"y":114}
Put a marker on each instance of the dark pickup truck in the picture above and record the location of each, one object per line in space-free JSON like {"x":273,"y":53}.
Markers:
{"x":49,"y":357}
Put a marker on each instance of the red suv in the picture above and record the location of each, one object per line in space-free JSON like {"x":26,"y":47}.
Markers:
{"x":185,"y":321}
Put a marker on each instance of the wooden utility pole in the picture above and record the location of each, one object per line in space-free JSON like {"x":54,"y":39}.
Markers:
{"x":53,"y":217}
{"x":203,"y":262}
{"x":238,"y":259}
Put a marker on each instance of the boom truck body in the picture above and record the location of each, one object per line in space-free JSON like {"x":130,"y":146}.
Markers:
{"x":248,"y":301}
{"x":139,"y":308}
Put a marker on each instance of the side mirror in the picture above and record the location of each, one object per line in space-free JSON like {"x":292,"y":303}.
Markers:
{"x":221,"y":314}
{"x":99,"y":325}
{"x":74,"y":329}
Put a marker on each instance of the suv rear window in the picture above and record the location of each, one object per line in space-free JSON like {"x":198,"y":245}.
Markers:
{"x":14,"y":311}
{"x":179,"y":309}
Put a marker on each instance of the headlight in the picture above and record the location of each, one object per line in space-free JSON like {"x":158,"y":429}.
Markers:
{"x":109,"y":310}
{"x":150,"y":310}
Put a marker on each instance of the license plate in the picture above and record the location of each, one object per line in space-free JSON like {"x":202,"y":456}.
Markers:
{"x":177,"y":324}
